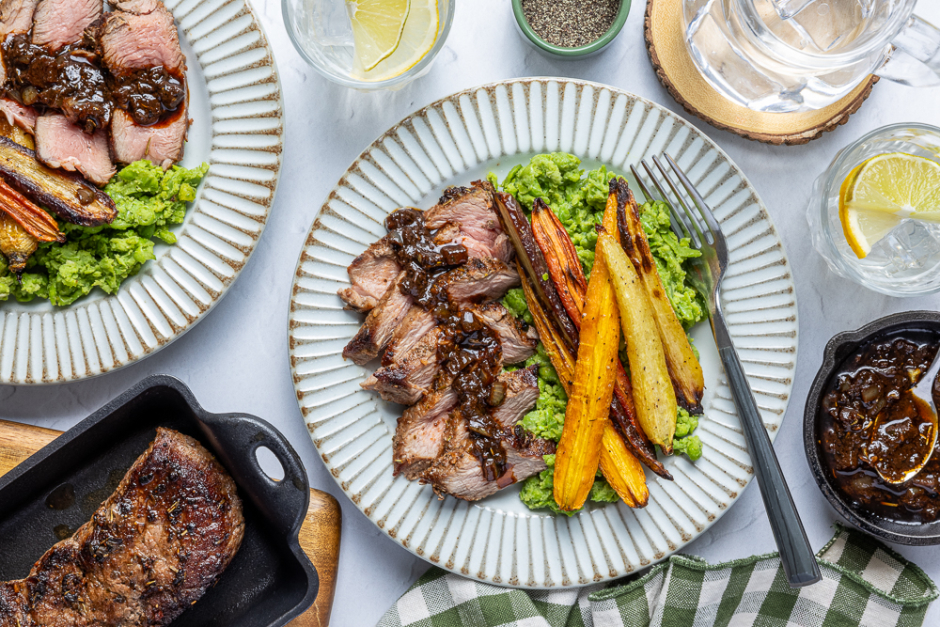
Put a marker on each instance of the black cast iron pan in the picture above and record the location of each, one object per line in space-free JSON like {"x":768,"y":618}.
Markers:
{"x":43,"y":500}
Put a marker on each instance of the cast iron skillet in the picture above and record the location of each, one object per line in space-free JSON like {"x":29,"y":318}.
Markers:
{"x":837,"y":351}
{"x":269,"y":582}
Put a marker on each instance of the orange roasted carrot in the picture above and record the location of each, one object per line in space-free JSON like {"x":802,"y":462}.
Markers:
{"x":586,"y":416}
{"x":619,"y":466}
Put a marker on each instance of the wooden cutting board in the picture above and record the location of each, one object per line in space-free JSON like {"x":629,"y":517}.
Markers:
{"x":319,"y":535}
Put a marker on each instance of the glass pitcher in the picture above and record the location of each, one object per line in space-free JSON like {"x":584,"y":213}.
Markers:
{"x":800,"y":55}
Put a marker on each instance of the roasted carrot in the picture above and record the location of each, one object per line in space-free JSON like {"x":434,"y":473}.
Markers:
{"x":586,"y":416}
{"x":684,"y":369}
{"x":618,"y":464}
{"x":652,"y":392}
{"x":568,"y":278}
{"x":24,"y":212}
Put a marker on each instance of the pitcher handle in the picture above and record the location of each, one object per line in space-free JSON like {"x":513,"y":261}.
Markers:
{"x":916,"y":58}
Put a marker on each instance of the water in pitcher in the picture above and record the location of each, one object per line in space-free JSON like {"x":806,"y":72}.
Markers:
{"x":788,"y":55}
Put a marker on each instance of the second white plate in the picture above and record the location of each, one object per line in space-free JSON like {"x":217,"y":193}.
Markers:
{"x":452,"y":142}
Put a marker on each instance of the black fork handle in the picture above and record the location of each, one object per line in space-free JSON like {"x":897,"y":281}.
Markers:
{"x":796,"y":555}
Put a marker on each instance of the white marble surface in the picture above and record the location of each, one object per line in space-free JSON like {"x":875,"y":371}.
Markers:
{"x":236,"y":360}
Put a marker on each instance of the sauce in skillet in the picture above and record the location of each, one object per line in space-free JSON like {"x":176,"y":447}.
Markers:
{"x":470,"y":352}
{"x":870,"y":420}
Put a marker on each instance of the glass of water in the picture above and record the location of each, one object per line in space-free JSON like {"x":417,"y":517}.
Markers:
{"x":321,"y":32}
{"x":801,"y":55}
{"x":906,"y":262}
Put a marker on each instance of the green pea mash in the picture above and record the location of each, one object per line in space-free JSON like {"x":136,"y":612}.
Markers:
{"x":148,"y":201}
{"x":578,"y":198}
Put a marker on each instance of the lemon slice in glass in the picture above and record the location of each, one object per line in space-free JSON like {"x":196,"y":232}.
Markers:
{"x":377,"y":27}
{"x":882,"y":191}
{"x":417,"y":39}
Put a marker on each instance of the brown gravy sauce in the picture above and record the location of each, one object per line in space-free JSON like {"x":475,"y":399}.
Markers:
{"x":877,"y":379}
{"x":471,"y":352}
{"x":73,"y":81}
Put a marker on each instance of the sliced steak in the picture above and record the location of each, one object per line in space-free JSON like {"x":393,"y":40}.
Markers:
{"x":410,"y":376}
{"x":522,"y":390}
{"x":416,"y":324}
{"x":410,"y":362}
{"x":380,"y":325}
{"x":370,"y":274}
{"x":499,"y":248}
{"x":150,"y":551}
{"x":457,"y":471}
{"x":162,"y":143}
{"x":419,"y":436}
{"x":518,"y":342}
{"x":16,"y":16}
{"x":62,"y":144}
{"x":138,"y":7}
{"x":19,"y":115}
{"x":479,"y":280}
{"x":58,"y":23}
{"x":473,"y":209}
{"x":137,"y":41}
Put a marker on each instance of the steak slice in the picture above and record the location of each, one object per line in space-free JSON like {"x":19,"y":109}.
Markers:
{"x":162,"y":143}
{"x":380,"y":325}
{"x":57,"y":23}
{"x":19,"y":115}
{"x":419,"y":436}
{"x":150,"y":551}
{"x":410,"y":362}
{"x":457,"y":471}
{"x":139,"y":7}
{"x":137,"y":41}
{"x":416,"y":324}
{"x":522,"y":390}
{"x":518,"y":342}
{"x":410,"y":376}
{"x":16,"y":16}
{"x":499,"y":248}
{"x":473,"y":208}
{"x":62,"y":144}
{"x":479,"y":280}
{"x":370,"y":274}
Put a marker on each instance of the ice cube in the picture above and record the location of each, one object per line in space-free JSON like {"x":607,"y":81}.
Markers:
{"x":330,"y":22}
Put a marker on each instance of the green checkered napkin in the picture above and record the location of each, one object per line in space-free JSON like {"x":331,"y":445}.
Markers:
{"x":865,"y":584}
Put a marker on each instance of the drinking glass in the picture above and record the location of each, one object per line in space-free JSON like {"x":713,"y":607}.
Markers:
{"x":906,"y":262}
{"x":801,"y":55}
{"x":321,"y":33}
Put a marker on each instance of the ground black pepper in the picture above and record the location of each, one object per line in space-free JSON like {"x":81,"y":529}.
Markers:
{"x":570,"y":23}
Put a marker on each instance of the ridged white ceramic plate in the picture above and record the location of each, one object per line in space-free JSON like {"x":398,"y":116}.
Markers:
{"x":459,"y":139}
{"x":236,"y":108}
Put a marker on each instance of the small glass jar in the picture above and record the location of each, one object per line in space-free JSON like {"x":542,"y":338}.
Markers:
{"x":906,"y":262}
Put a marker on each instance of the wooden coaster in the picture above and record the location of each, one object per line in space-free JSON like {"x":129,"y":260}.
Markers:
{"x":679,"y":75}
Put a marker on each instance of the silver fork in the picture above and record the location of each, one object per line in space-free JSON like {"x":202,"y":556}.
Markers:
{"x":703,"y":230}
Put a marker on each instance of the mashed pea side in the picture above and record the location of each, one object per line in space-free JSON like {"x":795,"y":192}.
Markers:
{"x":148,"y":201}
{"x":578,"y":198}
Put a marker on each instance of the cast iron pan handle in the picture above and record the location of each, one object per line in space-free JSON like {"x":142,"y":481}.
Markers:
{"x":237,"y":438}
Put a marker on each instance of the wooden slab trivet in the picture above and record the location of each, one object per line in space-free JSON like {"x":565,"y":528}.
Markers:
{"x":319,"y":534}
{"x":677,"y":72}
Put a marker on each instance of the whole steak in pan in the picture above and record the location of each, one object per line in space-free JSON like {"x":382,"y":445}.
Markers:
{"x":150,"y":551}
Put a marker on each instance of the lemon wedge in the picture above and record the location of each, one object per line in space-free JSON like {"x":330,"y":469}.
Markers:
{"x":417,"y":38}
{"x":884,"y":190}
{"x":377,"y":27}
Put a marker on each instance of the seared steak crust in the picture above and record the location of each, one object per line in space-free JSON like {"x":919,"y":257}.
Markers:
{"x":150,"y":551}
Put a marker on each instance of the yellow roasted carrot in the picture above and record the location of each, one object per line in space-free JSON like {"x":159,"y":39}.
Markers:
{"x":586,"y":416}
{"x":623,"y":470}
{"x":684,"y":369}
{"x":653,"y":395}
{"x":619,"y":466}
